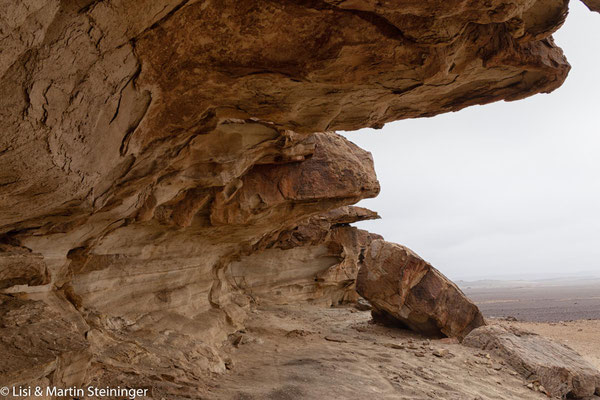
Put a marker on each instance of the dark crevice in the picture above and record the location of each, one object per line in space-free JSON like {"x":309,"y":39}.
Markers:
{"x":130,"y":80}
{"x":383,"y":25}
{"x":408,"y":89}
{"x":162,"y":20}
{"x":147,"y":100}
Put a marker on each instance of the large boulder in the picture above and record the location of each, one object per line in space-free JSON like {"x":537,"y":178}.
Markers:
{"x":404,"y":288}
{"x":558,"y":368}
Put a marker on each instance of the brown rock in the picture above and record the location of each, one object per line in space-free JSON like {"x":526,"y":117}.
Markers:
{"x":315,"y":261}
{"x":112,"y":108}
{"x":37,"y":340}
{"x":395,"y":346}
{"x":593,"y":5}
{"x":338,"y":173}
{"x":441,"y":352}
{"x":337,"y":339}
{"x":404,"y":288}
{"x":363,"y":305}
{"x":18,"y":266}
{"x":161,"y":165}
{"x":449,"y":340}
{"x":560,"y":370}
{"x":294,"y":333}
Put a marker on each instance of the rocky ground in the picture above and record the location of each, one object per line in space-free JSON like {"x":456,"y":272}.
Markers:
{"x":582,"y":335}
{"x":567,"y":311}
{"x":307,"y":352}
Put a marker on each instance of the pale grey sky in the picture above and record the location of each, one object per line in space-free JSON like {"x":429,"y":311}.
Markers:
{"x":502,"y":190}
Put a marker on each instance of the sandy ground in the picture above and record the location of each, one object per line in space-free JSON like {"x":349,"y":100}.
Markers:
{"x":582,"y":336}
{"x":307,"y":352}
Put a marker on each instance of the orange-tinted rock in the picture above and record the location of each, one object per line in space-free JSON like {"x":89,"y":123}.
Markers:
{"x":405,"y":289}
{"x":107,"y":105}
{"x":338,"y":172}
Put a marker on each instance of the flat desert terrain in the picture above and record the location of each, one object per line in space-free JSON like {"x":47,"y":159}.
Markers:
{"x":537,"y":301}
{"x":563,"y":310}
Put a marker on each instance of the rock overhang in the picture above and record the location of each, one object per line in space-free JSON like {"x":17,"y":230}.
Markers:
{"x":149,"y":146}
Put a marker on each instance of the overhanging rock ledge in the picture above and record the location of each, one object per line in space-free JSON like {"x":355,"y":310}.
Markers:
{"x":155,"y":155}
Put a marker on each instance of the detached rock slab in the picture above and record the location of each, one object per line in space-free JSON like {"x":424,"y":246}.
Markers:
{"x":405,"y":289}
{"x":560,"y":369}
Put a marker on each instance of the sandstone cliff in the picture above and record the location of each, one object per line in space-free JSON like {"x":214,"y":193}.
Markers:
{"x":163,"y":163}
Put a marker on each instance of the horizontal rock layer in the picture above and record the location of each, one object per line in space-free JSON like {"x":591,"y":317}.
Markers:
{"x":316,"y":261}
{"x":158,"y":159}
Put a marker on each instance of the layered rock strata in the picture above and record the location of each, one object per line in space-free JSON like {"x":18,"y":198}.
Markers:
{"x":152,"y":294}
{"x":149,"y":149}
{"x":317,"y":261}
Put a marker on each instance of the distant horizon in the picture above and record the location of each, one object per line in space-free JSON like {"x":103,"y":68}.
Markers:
{"x":504,"y":189}
{"x":531,"y":277}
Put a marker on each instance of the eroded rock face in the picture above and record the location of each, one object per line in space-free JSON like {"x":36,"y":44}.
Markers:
{"x":316,"y":261}
{"x":54,"y":355}
{"x":404,"y":288}
{"x":559,"y":369}
{"x":104,"y":103}
{"x":156,"y":154}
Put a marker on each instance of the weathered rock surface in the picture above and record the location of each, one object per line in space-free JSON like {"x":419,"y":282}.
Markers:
{"x":107,"y":106}
{"x":316,"y":261}
{"x":154,"y":154}
{"x":100,"y":339}
{"x":559,"y":369}
{"x":405,"y":289}
{"x":41,"y":346}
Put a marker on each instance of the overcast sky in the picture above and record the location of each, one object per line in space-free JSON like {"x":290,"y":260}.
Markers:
{"x":504,"y":190}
